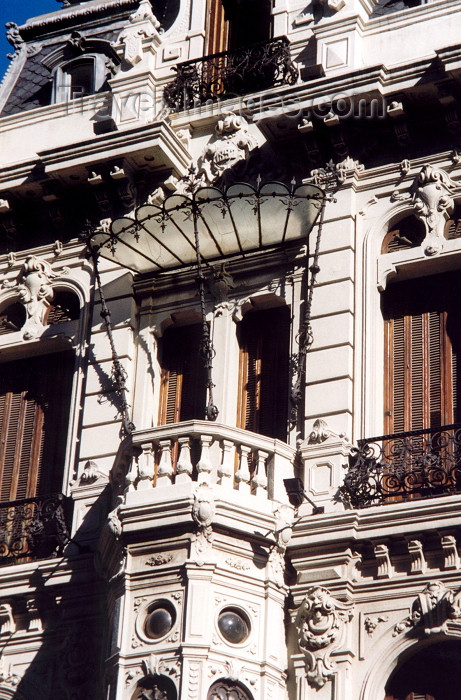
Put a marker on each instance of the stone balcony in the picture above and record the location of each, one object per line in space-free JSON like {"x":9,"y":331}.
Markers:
{"x":199,"y":451}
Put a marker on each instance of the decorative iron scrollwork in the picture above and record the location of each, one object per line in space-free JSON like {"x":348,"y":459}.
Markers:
{"x":416,"y":464}
{"x":33,"y":528}
{"x":231,"y":73}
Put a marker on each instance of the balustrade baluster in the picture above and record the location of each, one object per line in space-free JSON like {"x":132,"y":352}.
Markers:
{"x":184,"y":465}
{"x":243,"y":475}
{"x":204,"y":465}
{"x":146,"y":468}
{"x":226,"y":468}
{"x":165,"y":467}
{"x":259,"y":480}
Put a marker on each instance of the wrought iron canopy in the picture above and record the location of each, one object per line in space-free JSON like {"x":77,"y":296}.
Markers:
{"x":235,"y":221}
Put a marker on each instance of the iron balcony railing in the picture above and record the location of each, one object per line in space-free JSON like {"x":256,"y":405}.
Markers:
{"x":31,"y":529}
{"x":231,"y":74}
{"x":403,"y":466}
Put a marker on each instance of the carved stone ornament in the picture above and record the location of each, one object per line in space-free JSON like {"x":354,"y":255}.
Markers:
{"x":432,"y":610}
{"x":320,"y":623}
{"x":35,"y":291}
{"x":14,"y":37}
{"x":143,"y":25}
{"x":283,"y":532}
{"x":230,"y":144}
{"x":432,"y":203}
{"x":203,"y":514}
{"x":321,"y":432}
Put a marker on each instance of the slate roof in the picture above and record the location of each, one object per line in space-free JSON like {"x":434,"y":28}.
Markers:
{"x":386,"y":7}
{"x":33,"y":88}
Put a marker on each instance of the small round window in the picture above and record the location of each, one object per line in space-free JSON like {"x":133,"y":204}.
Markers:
{"x":233,"y":625}
{"x":160,"y":619}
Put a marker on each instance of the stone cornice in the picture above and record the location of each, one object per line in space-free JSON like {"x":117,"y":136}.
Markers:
{"x":68,"y":15}
{"x":396,"y":519}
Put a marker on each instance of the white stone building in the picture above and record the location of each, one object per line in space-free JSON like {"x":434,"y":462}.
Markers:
{"x":230,"y":253}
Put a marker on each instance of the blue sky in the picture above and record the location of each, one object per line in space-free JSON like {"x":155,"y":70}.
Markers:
{"x":18,"y":11}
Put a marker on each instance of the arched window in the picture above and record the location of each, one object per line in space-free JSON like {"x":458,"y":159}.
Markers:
{"x":155,"y":687}
{"x":263,"y":375}
{"x":228,"y":690}
{"x":434,"y":673}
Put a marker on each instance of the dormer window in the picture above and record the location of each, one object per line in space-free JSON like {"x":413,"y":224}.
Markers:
{"x":80,"y":68}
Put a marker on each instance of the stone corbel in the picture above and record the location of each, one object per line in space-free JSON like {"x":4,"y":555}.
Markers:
{"x":433,"y":203}
{"x":143,"y":26}
{"x":450,"y":552}
{"x":385,"y":568}
{"x":7,"y":623}
{"x":321,"y":622}
{"x":418,"y":560}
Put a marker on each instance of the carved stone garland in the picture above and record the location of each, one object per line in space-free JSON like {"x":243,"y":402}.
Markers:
{"x":320,"y":623}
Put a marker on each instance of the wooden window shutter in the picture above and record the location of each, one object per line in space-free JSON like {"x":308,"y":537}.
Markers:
{"x":263,"y":373}
{"x":34,"y":408}
{"x":421,"y":353}
{"x":216,"y":28}
{"x":183,"y":376}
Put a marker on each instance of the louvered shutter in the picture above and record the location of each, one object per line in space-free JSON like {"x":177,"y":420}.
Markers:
{"x":217,"y":28}
{"x":263,"y":374}
{"x":183,"y":377}
{"x":34,"y":408}
{"x":421,"y":353}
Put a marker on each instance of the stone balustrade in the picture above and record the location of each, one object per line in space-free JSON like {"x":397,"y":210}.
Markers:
{"x":211,"y":453}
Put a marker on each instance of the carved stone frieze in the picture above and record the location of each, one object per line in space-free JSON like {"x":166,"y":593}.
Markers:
{"x":433,"y":203}
{"x":321,"y":622}
{"x":432,"y":609}
{"x":159,"y":559}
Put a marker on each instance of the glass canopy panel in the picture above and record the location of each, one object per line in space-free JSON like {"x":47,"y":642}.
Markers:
{"x":274,"y":208}
{"x":122,"y":245}
{"x":307,"y":202}
{"x":173,"y":246}
{"x":216,"y":221}
{"x":243,"y":209}
{"x":179,"y":209}
{"x":233,"y":222}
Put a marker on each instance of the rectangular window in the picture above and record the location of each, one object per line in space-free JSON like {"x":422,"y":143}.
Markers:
{"x":34,"y":413}
{"x":183,"y":376}
{"x":422,"y":351}
{"x":263,"y":377}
